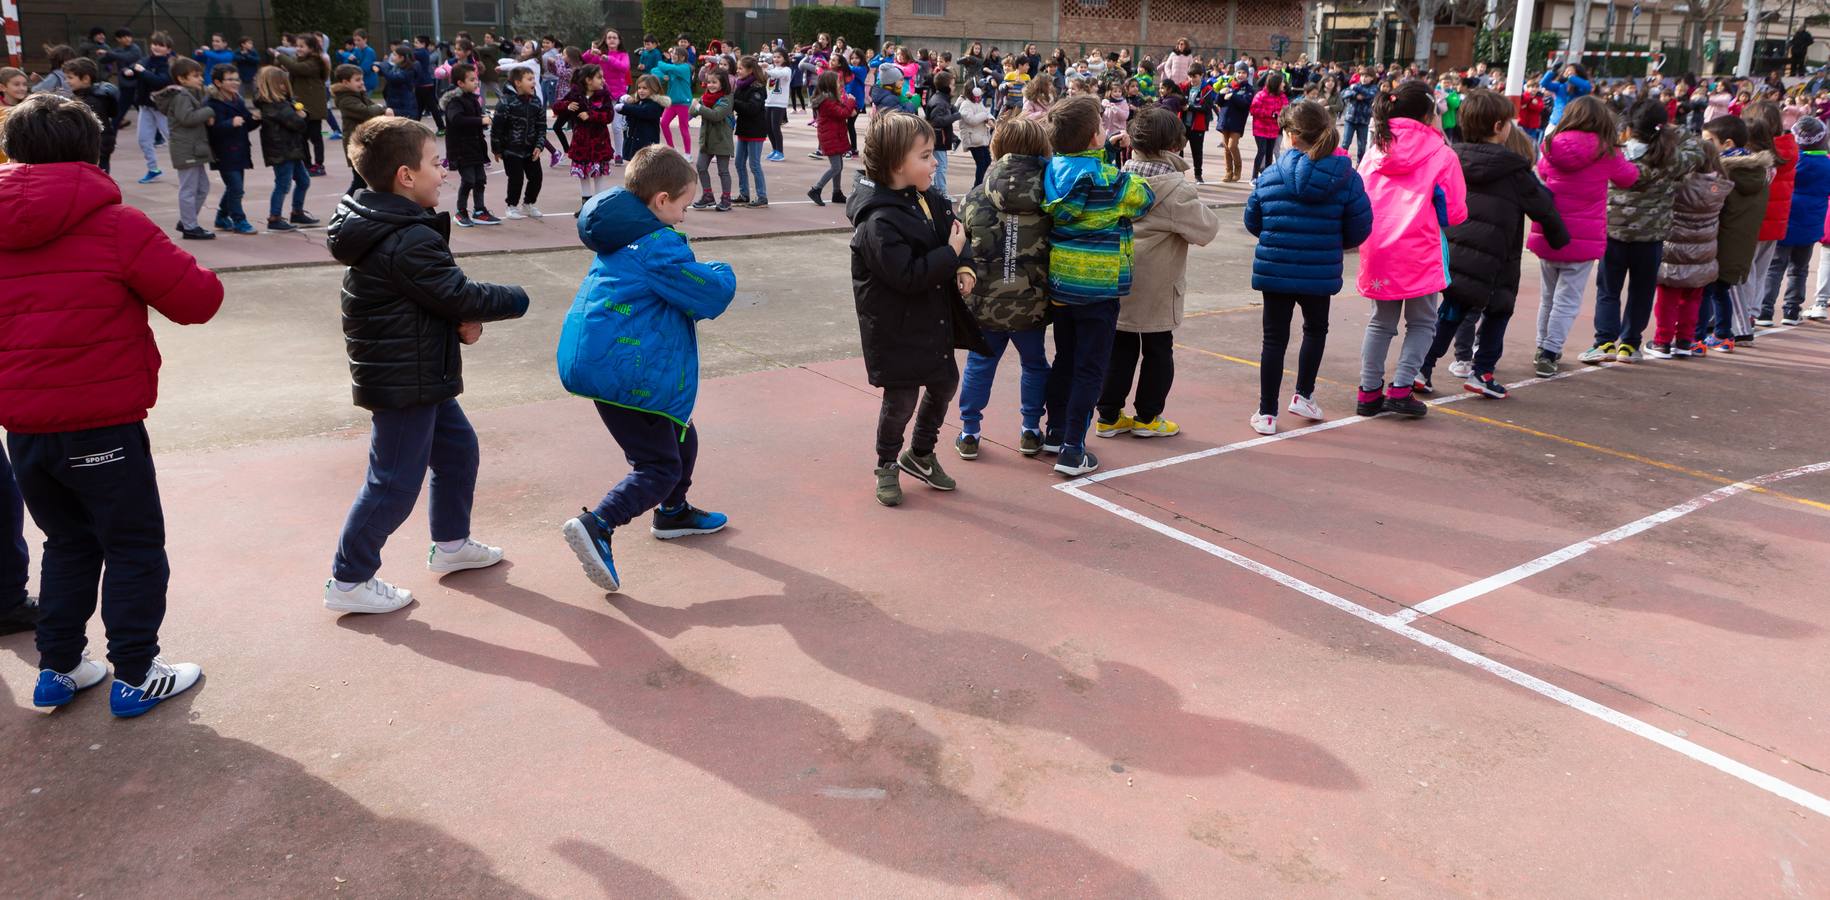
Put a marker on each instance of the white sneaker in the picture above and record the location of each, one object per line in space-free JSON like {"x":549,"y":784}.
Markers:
{"x":163,"y":681}
{"x":1264,"y":424}
{"x":1306,"y":407}
{"x":533,"y":212}
{"x":514,"y":212}
{"x":470,"y":556}
{"x":58,"y":688}
{"x":1461,"y":368}
{"x":1818,"y":312}
{"x":372,"y":596}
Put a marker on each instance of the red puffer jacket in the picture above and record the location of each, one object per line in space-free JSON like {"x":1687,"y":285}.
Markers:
{"x":831,"y":118}
{"x":80,"y":271}
{"x":1779,"y":200}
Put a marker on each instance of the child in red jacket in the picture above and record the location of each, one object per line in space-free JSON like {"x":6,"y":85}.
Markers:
{"x":79,"y":371}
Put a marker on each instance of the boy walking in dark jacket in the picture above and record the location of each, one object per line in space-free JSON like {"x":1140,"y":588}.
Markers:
{"x":516,"y":138}
{"x":351,"y":99}
{"x":83,"y":76}
{"x":466,"y":149}
{"x":406,"y":308}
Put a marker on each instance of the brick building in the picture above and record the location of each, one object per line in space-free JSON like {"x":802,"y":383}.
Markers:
{"x":1218,"y":27}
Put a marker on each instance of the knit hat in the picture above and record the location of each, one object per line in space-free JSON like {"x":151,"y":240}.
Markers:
{"x":889,"y":73}
{"x":1809,"y":132}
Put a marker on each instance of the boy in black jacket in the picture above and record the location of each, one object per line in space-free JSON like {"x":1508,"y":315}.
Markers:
{"x":516,"y":139}
{"x":80,"y":76}
{"x":466,"y":150}
{"x":406,"y":308}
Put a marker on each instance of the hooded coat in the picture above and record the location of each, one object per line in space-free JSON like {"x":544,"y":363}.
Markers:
{"x":1641,"y":212}
{"x":190,"y":114}
{"x":1578,"y":180}
{"x":229,"y":142}
{"x":910,"y":315}
{"x":1007,"y":245}
{"x":630,"y":338}
{"x":1810,"y":197}
{"x":465,"y":141}
{"x":1160,"y":241}
{"x":283,"y":127}
{"x":308,"y":74}
{"x":1306,"y":214}
{"x":1407,"y":256}
{"x":1779,"y":193}
{"x":1486,"y":251}
{"x":1696,"y":217}
{"x":1236,"y":107}
{"x":1742,"y":213}
{"x":81,"y":270}
{"x":403,"y":299}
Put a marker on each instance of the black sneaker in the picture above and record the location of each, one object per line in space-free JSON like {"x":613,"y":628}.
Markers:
{"x":705,"y":202}
{"x":686,"y":521}
{"x":1075,"y":462}
{"x":23,"y":617}
{"x":275,"y":223}
{"x":1367,"y":408}
{"x":1657,"y":350}
{"x":463,"y":220}
{"x":1407,"y":406}
{"x":198,"y":233}
{"x":724,"y":204}
{"x":484,"y":217}
{"x":740,"y":200}
{"x":814,"y":195}
{"x":1051,"y":442}
{"x":1422,"y":384}
{"x":758,"y":203}
{"x":838,"y":197}
{"x":301,"y":217}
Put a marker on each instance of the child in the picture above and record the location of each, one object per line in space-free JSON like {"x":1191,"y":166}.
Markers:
{"x":938,"y":109}
{"x":283,"y":147}
{"x":1448,"y":106}
{"x":1580,"y":162}
{"x":1092,"y":206}
{"x":1148,"y":317}
{"x":589,"y":109}
{"x":1235,"y":117}
{"x":1307,"y":210}
{"x":229,"y":146}
{"x":187,"y":111}
{"x":516,"y":138}
{"x":350,"y":95}
{"x":1639,"y":217}
{"x":1804,"y":223}
{"x":466,"y":150}
{"x":102,"y":97}
{"x":399,"y":93}
{"x":79,"y":371}
{"x":1737,"y":237}
{"x":642,"y":114}
{"x":1688,"y":262}
{"x":406,"y":308}
{"x":1267,"y":106}
{"x":1038,"y":96}
{"x":750,"y":104}
{"x":140,"y":81}
{"x":1485,"y":251}
{"x":1414,"y":183}
{"x":781,"y":86}
{"x":908,"y":274}
{"x":629,"y":344}
{"x":1008,"y":235}
{"x":975,"y":133}
{"x":713,"y":110}
{"x":833,"y":113}
{"x":1760,"y":293}
{"x":678,"y":78}
{"x":14,"y":87}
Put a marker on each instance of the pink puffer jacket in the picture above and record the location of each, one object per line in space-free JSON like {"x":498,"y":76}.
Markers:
{"x":1266,"y":107}
{"x":1578,"y":182}
{"x":1407,"y":255}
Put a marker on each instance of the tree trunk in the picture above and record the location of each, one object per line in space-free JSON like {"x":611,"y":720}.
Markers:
{"x":1426,"y":32}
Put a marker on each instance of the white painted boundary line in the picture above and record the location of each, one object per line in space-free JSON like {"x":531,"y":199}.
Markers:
{"x":1782,"y":789}
{"x":1556,"y":558}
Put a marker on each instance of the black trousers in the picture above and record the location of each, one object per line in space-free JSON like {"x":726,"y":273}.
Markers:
{"x":1157,"y":351}
{"x":1488,"y":326}
{"x":426,"y":98}
{"x":981,"y":160}
{"x":778,"y":116}
{"x":522,"y":168}
{"x":1279,"y":309}
{"x":927,"y":404}
{"x":15,"y":554}
{"x":471,"y":182}
{"x":314,"y":133}
{"x":1195,"y":139}
{"x":95,"y":496}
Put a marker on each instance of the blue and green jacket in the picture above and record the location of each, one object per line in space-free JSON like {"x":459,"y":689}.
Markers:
{"x":629,"y":339}
{"x":1092,"y":205}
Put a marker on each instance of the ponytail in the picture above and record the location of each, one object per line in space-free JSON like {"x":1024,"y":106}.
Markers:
{"x":1412,"y":99}
{"x":1312,"y":125}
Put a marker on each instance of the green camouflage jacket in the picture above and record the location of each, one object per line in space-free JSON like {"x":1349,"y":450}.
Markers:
{"x":1008,"y":233}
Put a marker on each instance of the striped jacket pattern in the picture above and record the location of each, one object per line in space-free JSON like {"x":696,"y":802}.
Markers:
{"x":1092,"y":205}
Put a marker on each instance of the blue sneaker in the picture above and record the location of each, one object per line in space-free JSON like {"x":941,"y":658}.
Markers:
{"x":243,"y":226}
{"x":58,"y":688}
{"x":151,"y":176}
{"x":163,"y":682}
{"x":589,"y":538}
{"x":776,"y":156}
{"x":336,"y":135}
{"x":686,"y":521}
{"x":224,"y":223}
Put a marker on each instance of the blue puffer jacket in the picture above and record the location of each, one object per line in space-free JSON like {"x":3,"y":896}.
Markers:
{"x":629,"y":339}
{"x":1306,"y":214}
{"x":1810,"y":197}
{"x":399,"y":92}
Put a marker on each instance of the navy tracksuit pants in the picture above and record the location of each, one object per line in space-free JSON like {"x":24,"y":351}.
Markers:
{"x":403,"y":444}
{"x":660,"y":458}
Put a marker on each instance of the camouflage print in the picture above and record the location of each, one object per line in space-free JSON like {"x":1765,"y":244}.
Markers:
{"x":1009,"y":245}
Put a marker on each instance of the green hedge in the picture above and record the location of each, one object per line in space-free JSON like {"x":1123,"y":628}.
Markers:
{"x":1495,"y":48}
{"x":857,"y":26}
{"x":703,"y":20}
{"x":336,"y":18}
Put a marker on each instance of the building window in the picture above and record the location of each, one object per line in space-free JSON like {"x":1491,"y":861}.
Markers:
{"x":762,"y":4}
{"x":804,"y":3}
{"x":482,"y":12}
{"x":930,"y":7}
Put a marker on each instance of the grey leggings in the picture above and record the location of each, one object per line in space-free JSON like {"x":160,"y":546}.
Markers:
{"x":705,"y":172}
{"x":835,"y":166}
{"x":1419,"y":331}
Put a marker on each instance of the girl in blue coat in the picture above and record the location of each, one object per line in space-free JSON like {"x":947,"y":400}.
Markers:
{"x":401,"y":71}
{"x":1307,"y":209}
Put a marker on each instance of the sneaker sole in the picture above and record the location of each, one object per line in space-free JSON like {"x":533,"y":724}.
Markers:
{"x":965,"y":454}
{"x":1483,"y":392}
{"x":668,"y":534}
{"x":448,"y":568}
{"x":1147,"y":433}
{"x":1101,"y":432}
{"x":1076,"y":471}
{"x":1029,"y":452}
{"x":334,"y":606}
{"x":582,"y":547}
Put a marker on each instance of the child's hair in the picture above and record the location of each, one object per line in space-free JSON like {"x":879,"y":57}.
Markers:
{"x":1274,"y":85}
{"x":1157,"y":132}
{"x":217,"y":74}
{"x":749,"y":66}
{"x":582,"y":75}
{"x":1040,"y":91}
{"x":1592,"y":114}
{"x":1019,"y":135}
{"x":679,"y":54}
{"x":1521,"y":143}
{"x":650,"y":82}
{"x":1073,"y":122}
{"x":344,"y":72}
{"x":272,"y":85}
{"x":380,"y":146}
{"x":1313,"y":125}
{"x":720,"y":75}
{"x":943,"y":82}
{"x":1764,"y":125}
{"x":49,"y":128}
{"x":461,"y":72}
{"x":518,"y":75}
{"x":184,"y":67}
{"x":82,"y":67}
{"x":658,"y":169}
{"x":1728,"y":128}
{"x":63,"y":53}
{"x":826,"y":88}
{"x":1646,"y":121}
{"x":1481,"y":112}
{"x":1412,"y":99}
{"x":888,"y":142}
{"x":160,"y":39}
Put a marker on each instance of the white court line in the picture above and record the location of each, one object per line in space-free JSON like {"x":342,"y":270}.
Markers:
{"x":1782,"y":789}
{"x":1556,"y":558}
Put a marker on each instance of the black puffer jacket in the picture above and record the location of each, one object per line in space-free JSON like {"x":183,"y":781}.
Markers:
{"x":519,"y":127}
{"x":910,"y":315}
{"x":283,"y":128}
{"x":403,"y":298}
{"x":751,"y":104}
{"x":465,"y":141}
{"x":1485,"y":251}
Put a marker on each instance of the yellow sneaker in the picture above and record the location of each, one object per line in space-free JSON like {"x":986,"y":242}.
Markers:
{"x":1157,"y":427}
{"x":1124,"y":425}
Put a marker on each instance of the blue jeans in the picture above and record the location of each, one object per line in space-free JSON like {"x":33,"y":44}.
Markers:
{"x":749,"y":164}
{"x":940,"y":172}
{"x":1718,"y":311}
{"x":229,"y":207}
{"x":403,"y":444}
{"x":289,"y":174}
{"x":982,"y":370}
{"x":1083,"y":349}
{"x":1357,"y":132}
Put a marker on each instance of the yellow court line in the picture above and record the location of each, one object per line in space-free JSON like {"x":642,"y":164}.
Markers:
{"x":1573,"y":442}
{"x":1215,"y":312}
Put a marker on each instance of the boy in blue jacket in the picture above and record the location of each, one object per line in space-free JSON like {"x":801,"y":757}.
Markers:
{"x":629,"y":343}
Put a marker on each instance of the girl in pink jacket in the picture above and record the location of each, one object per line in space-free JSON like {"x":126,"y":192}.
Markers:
{"x":1414,"y":182}
{"x":1267,"y":105}
{"x":1580,"y":160}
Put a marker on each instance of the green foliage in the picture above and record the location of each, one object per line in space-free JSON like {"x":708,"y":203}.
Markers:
{"x":857,"y":26}
{"x":576,"y":22}
{"x":1495,"y":48}
{"x":336,"y":18}
{"x":702,"y":20}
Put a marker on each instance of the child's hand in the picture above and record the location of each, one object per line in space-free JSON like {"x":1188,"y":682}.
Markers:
{"x":572,"y":106}
{"x":387,"y":112}
{"x":966,"y":282}
{"x":957,"y":238}
{"x":486,"y":120}
{"x":238,"y":121}
{"x":470,"y":332}
{"x":583,"y":116}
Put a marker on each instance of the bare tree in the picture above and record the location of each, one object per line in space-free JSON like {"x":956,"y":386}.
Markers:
{"x":1421,"y":16}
